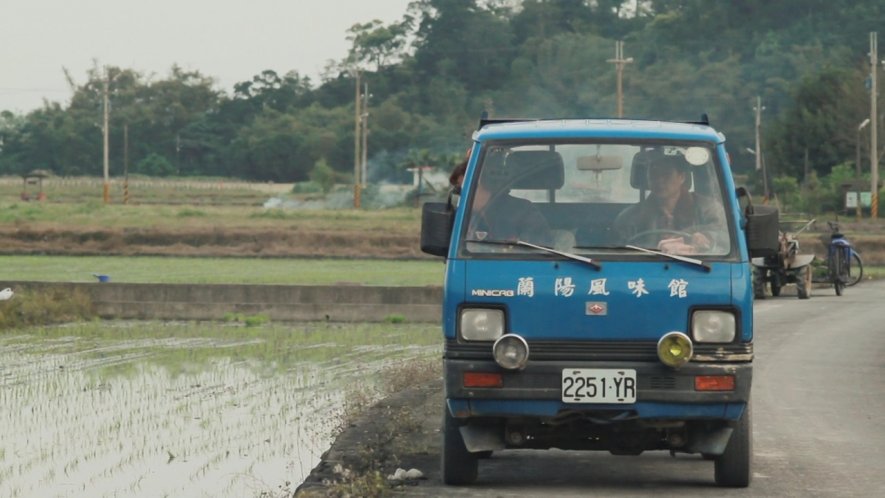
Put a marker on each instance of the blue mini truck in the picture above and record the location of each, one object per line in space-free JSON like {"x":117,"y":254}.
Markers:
{"x":598,"y":294}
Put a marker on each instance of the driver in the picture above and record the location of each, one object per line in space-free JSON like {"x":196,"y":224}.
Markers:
{"x":671,"y":218}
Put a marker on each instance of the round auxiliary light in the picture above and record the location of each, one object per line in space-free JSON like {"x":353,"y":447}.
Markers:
{"x":674,"y":349}
{"x":511,"y":352}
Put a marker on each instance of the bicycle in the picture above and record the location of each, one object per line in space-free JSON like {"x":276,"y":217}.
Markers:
{"x":844,"y":266}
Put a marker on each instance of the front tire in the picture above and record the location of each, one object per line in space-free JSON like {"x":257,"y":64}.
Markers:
{"x":734,"y":468}
{"x":459,"y":466}
{"x":837,"y":271}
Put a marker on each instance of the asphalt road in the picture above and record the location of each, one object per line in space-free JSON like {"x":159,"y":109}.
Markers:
{"x":818,"y":407}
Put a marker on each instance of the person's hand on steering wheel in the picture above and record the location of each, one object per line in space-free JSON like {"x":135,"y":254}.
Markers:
{"x":675,"y":245}
{"x":678,"y":242}
{"x":701,"y":242}
{"x":693,"y":244}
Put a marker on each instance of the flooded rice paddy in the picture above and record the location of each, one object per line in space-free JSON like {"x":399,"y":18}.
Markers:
{"x":182,"y":409}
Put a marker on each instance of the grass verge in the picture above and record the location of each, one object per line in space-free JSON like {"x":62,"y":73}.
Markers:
{"x":27,"y":309}
{"x":179,"y":270}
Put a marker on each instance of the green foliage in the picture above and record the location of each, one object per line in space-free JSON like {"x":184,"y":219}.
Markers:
{"x":819,"y":129}
{"x":155,"y":165}
{"x":29,"y":308}
{"x":395,"y":318}
{"x":191,"y":213}
{"x":178,"y":270}
{"x":306,"y":188}
{"x":248,"y":320}
{"x":30,"y":212}
{"x":787,"y":190}
{"x":323,"y":175}
{"x":376,"y":44}
{"x":256,"y":320}
{"x":816,"y":195}
{"x":233,"y":317}
{"x":431,"y":73}
{"x":270,"y":214}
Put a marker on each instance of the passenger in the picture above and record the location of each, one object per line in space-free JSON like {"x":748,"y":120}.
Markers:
{"x":456,"y":179}
{"x":499,"y":216}
{"x":671,"y":218}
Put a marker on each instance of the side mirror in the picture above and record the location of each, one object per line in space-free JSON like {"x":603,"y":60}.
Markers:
{"x":436,"y":227}
{"x":761,"y":227}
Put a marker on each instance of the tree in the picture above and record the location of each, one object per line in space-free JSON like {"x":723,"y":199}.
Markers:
{"x":155,"y":165}
{"x":377,"y":45}
{"x":820,"y":125}
{"x":461,"y":42}
{"x":434,"y":71}
{"x":323,"y":175}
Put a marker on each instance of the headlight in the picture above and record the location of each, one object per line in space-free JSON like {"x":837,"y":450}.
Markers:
{"x":674,"y":349}
{"x":478,"y":324}
{"x":511,"y":352}
{"x":712,"y":326}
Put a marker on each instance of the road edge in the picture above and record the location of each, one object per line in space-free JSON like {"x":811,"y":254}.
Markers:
{"x":399,"y":431}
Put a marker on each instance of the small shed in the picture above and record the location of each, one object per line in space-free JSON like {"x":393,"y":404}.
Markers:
{"x":34,"y":178}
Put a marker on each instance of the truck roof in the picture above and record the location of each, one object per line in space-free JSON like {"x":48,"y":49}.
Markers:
{"x":597,"y":128}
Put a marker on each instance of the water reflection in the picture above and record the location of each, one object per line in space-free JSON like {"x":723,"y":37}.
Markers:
{"x":195,"y":416}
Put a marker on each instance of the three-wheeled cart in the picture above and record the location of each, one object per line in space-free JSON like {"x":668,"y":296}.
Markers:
{"x":785,"y":267}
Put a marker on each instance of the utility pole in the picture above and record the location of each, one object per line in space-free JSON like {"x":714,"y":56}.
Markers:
{"x":126,"y":163}
{"x":874,"y":151}
{"x":858,"y":167}
{"x":356,"y":142}
{"x":619,"y":61}
{"x":106,"y":190}
{"x":365,"y":121}
{"x":760,"y":164}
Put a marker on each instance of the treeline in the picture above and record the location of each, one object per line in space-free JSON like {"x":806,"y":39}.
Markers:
{"x":433,"y":72}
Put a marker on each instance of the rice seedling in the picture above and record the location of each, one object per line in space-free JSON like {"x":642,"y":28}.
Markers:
{"x":177,"y":409}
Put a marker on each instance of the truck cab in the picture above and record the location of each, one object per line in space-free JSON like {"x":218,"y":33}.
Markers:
{"x":598,"y":294}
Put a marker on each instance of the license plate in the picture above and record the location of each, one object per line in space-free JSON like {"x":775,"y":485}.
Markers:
{"x":598,"y":385}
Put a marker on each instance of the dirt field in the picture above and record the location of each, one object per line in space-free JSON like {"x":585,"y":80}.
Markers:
{"x":217,"y":217}
{"x":383,"y":238}
{"x":390,"y":243}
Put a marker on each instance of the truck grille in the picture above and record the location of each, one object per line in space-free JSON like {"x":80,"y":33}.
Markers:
{"x":602,"y":351}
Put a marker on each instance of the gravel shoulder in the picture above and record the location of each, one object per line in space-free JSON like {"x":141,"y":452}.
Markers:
{"x":400,"y":431}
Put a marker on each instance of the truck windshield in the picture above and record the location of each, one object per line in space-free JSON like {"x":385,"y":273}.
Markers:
{"x":598,"y":198}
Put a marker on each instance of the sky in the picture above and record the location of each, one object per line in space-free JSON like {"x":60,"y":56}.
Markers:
{"x":228,"y":40}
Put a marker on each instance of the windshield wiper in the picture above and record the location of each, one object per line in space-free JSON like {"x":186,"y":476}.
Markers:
{"x":672,"y":256}
{"x":523,"y":243}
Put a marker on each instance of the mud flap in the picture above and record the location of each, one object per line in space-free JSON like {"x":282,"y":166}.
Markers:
{"x":482,"y":438}
{"x":709,"y":442}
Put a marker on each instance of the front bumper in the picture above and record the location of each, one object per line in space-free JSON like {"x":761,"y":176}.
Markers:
{"x":536,"y":391}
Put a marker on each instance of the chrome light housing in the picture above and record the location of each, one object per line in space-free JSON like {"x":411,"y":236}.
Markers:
{"x":511,"y":352}
{"x":482,"y":324}
{"x":712,"y":326}
{"x":674,"y":349}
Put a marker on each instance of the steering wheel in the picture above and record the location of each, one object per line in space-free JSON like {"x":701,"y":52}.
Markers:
{"x":659,"y":231}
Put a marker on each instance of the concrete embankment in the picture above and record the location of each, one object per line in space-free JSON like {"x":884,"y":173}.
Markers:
{"x":338,"y":303}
